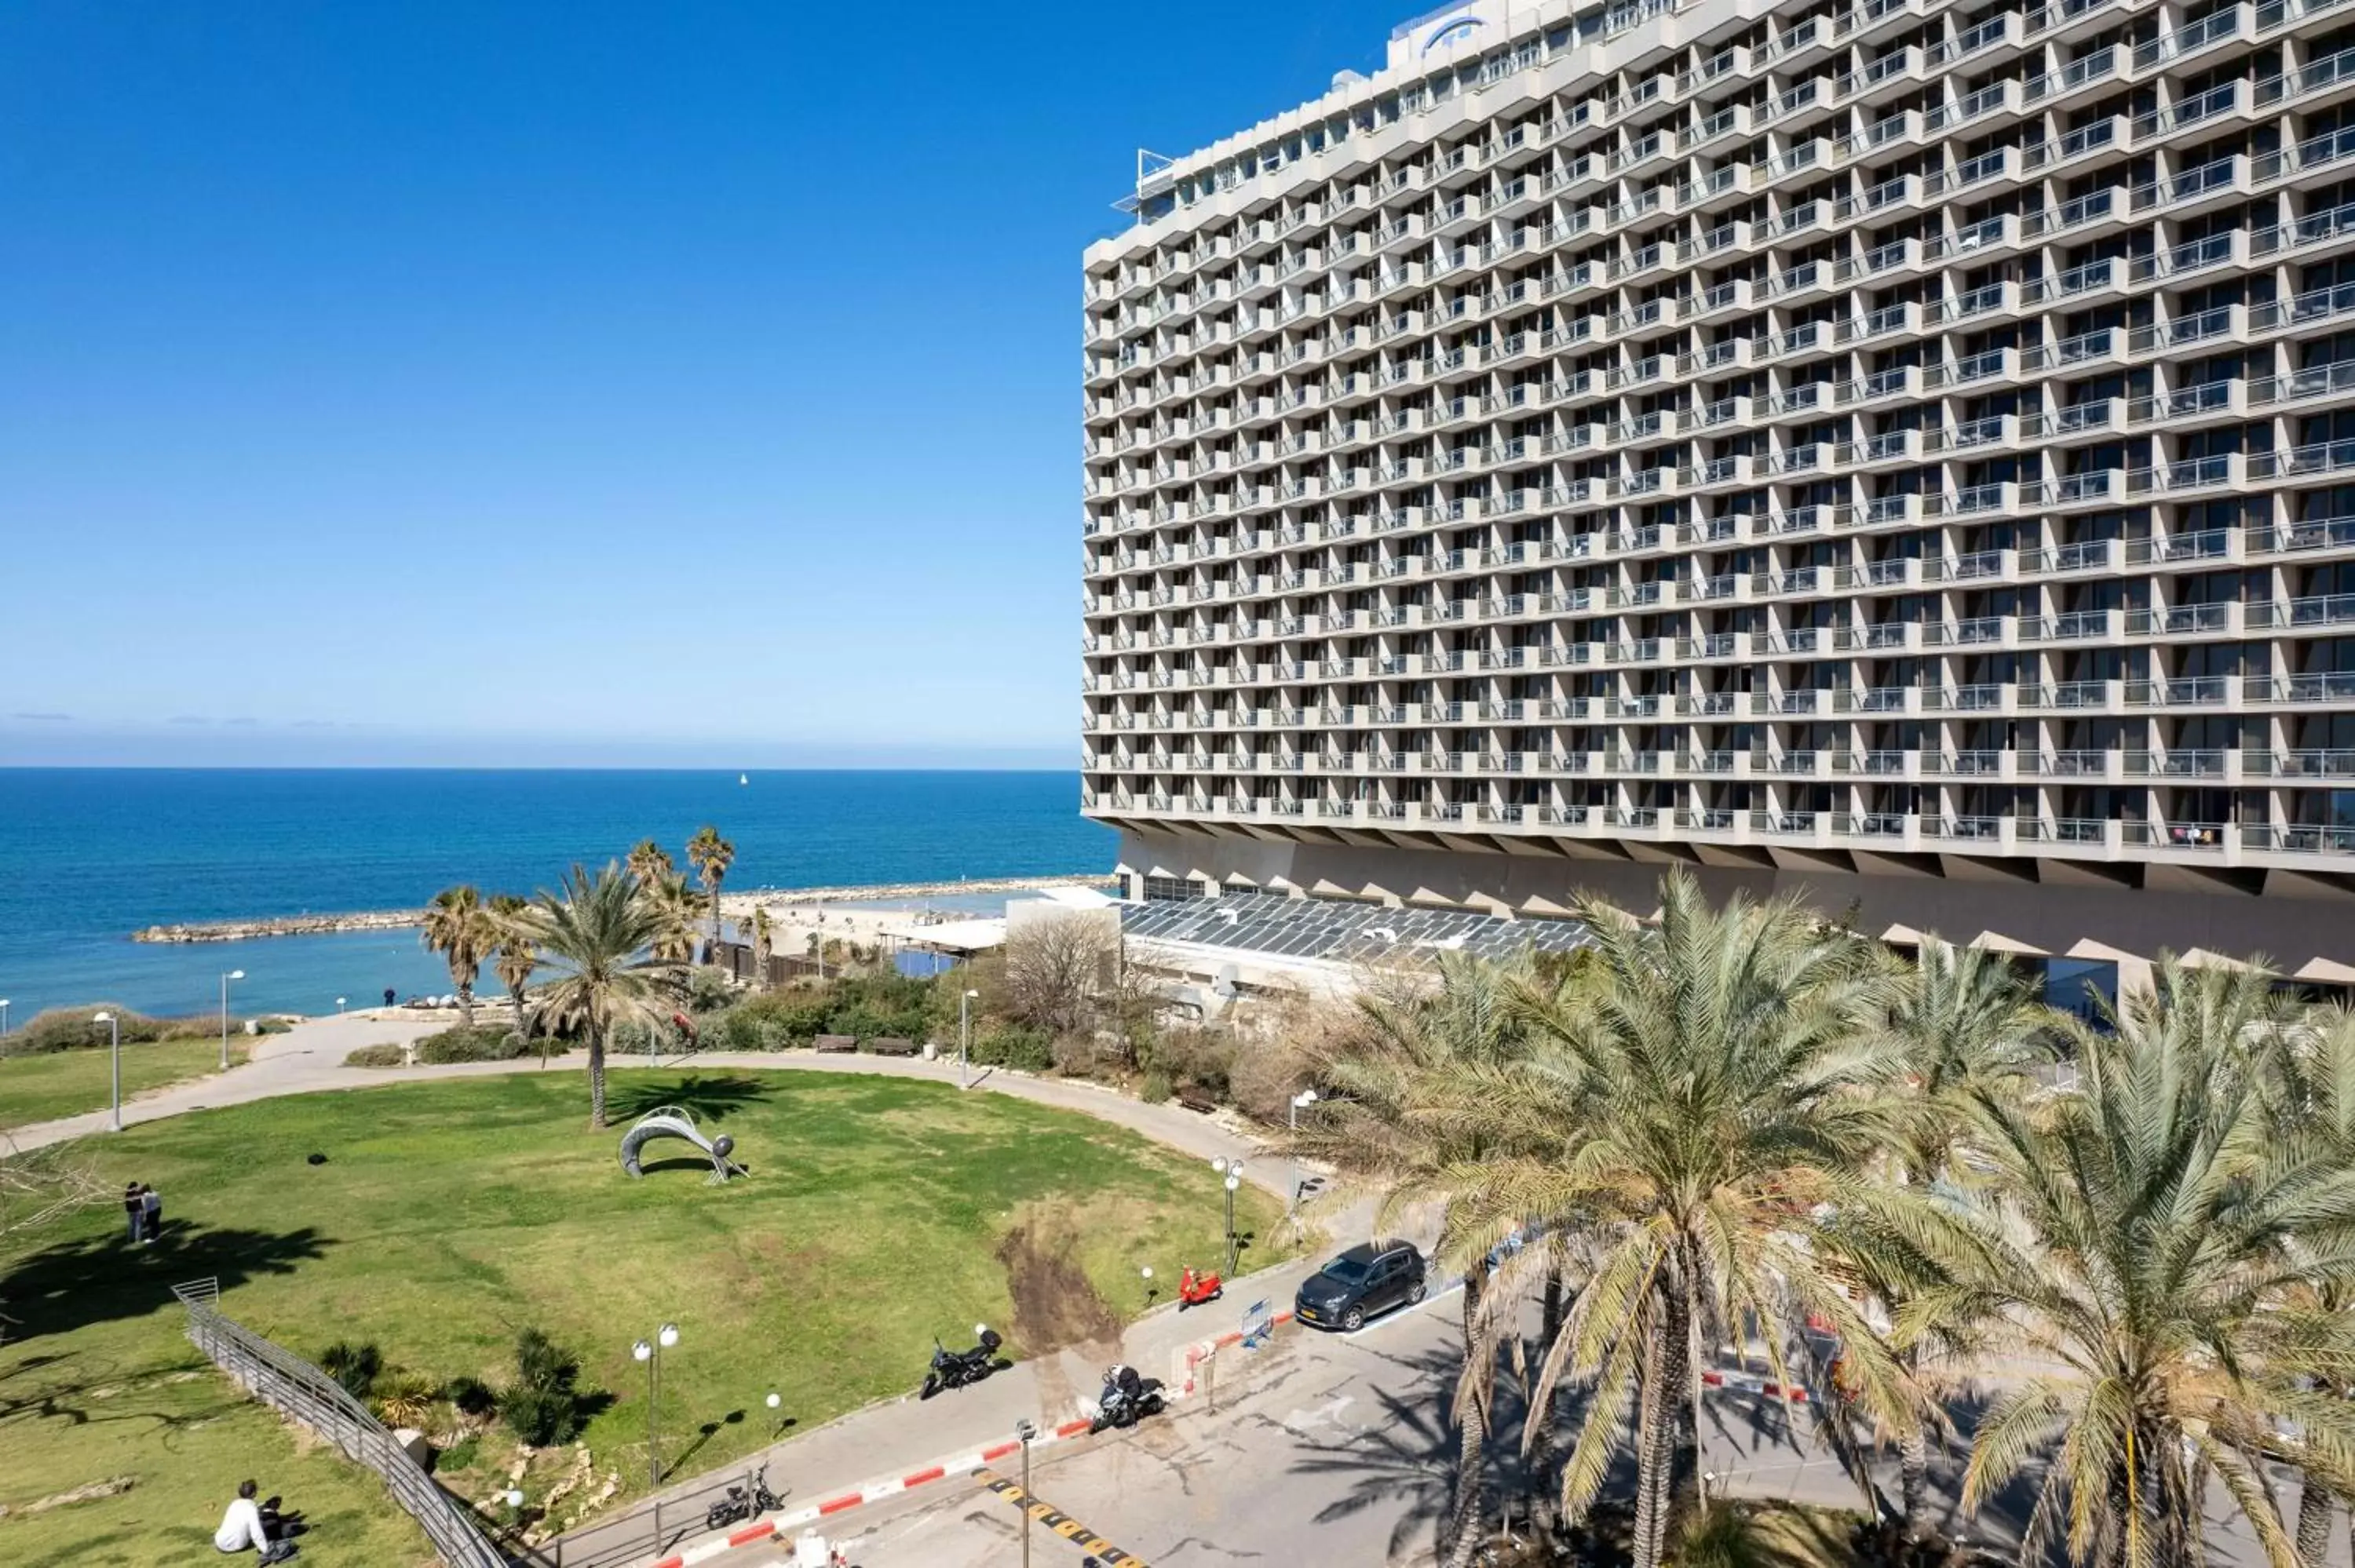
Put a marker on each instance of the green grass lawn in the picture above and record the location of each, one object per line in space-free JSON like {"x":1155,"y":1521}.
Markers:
{"x":449,"y":1215}
{"x":66,"y":1083}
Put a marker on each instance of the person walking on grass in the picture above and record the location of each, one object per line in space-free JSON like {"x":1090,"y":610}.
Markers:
{"x":135,"y":1211}
{"x":151,"y":1209}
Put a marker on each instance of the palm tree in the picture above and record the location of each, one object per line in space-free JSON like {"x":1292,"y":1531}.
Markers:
{"x":516,"y":957}
{"x":763,"y":936}
{"x":1712,"y":1083}
{"x":711,"y":855}
{"x":1967,"y":1022}
{"x":676,"y":909}
{"x":591,"y":934}
{"x":1393,"y":1121}
{"x":2312,"y":1087}
{"x":460,"y":927}
{"x":2159,"y":1238}
{"x":649,"y":862}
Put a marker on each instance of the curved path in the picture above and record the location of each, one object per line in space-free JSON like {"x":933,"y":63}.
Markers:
{"x":309,"y":1059}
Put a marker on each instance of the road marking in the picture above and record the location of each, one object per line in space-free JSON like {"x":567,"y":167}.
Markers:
{"x":1061,"y":1524}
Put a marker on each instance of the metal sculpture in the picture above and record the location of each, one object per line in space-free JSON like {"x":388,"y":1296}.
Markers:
{"x":676,"y":1121}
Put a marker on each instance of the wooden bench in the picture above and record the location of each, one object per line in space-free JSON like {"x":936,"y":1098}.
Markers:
{"x":1194,"y":1099}
{"x":844,"y":1043}
{"x":891,"y":1046}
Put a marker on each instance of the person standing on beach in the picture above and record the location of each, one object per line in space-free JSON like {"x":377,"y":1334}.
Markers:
{"x":135,"y":1210}
{"x":151,"y":1204}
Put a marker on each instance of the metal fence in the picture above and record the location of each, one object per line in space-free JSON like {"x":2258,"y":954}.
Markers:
{"x":301,"y":1392}
{"x":645,"y":1534}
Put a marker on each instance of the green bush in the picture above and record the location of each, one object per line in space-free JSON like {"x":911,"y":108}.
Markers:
{"x":543,"y":1407}
{"x":69,"y":1028}
{"x":1026,"y":1049}
{"x":472,"y":1398}
{"x":461,"y":1455}
{"x":1155,"y":1087}
{"x":383,"y":1055}
{"x":356,"y":1367}
{"x":708,"y":990}
{"x":1204,"y":1058}
{"x":270,"y":1027}
{"x":483,"y":1042}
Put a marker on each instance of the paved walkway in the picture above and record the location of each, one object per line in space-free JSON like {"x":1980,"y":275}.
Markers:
{"x":309,"y":1059}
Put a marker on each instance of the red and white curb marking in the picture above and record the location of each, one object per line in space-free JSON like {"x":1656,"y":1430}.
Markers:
{"x":778,"y":1526}
{"x":782,"y":1524}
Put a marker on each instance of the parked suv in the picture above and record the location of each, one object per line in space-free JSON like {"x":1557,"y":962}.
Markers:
{"x":1368,"y":1278}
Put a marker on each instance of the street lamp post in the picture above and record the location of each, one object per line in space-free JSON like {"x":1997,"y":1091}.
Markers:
{"x":114,"y":1029}
{"x":776,"y":1421}
{"x":964,"y":1038}
{"x":664,"y":1337}
{"x":232,"y":975}
{"x":339,"y":1007}
{"x":1300,"y":1102}
{"x":3,"y":1015}
{"x":1232,"y":1170}
{"x":1026,"y":1431}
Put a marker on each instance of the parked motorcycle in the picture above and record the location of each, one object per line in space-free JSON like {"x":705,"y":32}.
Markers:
{"x":1125,"y":1398}
{"x":955,"y":1369}
{"x":1193,"y":1290}
{"x":743,"y":1503}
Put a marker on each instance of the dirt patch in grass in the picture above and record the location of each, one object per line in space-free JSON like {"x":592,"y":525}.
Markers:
{"x":1055,"y":1306}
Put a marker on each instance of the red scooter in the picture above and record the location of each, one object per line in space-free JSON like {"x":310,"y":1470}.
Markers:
{"x":1193,"y":1288}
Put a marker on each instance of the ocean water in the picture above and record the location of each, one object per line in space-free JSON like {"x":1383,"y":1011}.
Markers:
{"x":88,"y":856}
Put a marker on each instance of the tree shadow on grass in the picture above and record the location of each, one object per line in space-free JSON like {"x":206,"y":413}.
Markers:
{"x":98,"y":1279}
{"x":706,"y":1100}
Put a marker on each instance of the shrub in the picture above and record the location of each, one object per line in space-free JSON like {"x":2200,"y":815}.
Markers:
{"x":356,"y":1367}
{"x":405,"y":1398}
{"x":1075,"y":1056}
{"x":472,"y":1398}
{"x":543,"y":1407}
{"x":708,"y":990}
{"x":483,"y":1042}
{"x":71,"y":1028}
{"x":1204,"y":1058}
{"x":383,"y":1055}
{"x":1024,"y":1049}
{"x":461,"y":1455}
{"x":1265,"y":1073}
{"x":1155,"y":1087}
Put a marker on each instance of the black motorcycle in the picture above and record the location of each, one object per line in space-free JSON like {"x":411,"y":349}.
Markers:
{"x":742,"y":1503}
{"x":955,"y":1369}
{"x":1127,"y":1397}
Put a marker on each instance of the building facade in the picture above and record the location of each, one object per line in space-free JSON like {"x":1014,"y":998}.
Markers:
{"x":1902,"y":450}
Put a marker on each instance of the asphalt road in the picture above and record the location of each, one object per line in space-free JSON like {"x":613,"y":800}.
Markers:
{"x":1330,"y":1450}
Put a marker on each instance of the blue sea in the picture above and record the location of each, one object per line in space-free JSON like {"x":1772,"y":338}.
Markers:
{"x":88,"y":856}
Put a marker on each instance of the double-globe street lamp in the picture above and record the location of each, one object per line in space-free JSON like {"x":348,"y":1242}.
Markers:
{"x":1232,"y":1170}
{"x":651,"y":1353}
{"x":232,"y":975}
{"x":1300,"y":1102}
{"x":114,"y":1030}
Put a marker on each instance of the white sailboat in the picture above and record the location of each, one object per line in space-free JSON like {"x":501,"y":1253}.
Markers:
{"x":743,"y":779}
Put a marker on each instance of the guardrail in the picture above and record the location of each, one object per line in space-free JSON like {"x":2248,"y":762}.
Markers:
{"x":302,"y":1393}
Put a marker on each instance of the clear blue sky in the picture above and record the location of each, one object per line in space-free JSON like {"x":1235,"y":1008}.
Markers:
{"x":486,"y":383}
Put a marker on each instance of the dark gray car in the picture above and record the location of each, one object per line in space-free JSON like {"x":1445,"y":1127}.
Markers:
{"x":1363,"y":1282}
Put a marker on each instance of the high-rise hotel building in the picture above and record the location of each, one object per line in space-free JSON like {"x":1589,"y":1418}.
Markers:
{"x":1902,"y":450}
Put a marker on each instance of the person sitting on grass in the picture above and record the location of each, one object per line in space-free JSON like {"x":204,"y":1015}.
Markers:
{"x":243,"y":1530}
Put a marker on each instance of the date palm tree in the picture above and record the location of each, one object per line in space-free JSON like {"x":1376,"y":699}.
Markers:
{"x":763,"y":938}
{"x":591,"y":934}
{"x":1967,"y":1024}
{"x":2161,"y":1240}
{"x":711,"y":855}
{"x":676,"y":909}
{"x":2311,"y":1085}
{"x":1714,"y":1081}
{"x":1393,"y":1122}
{"x":460,"y":928}
{"x":649,"y":862}
{"x":516,"y":957}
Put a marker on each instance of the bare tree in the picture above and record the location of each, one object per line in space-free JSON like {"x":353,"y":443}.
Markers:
{"x":38,"y":1185}
{"x":1056,"y":966}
